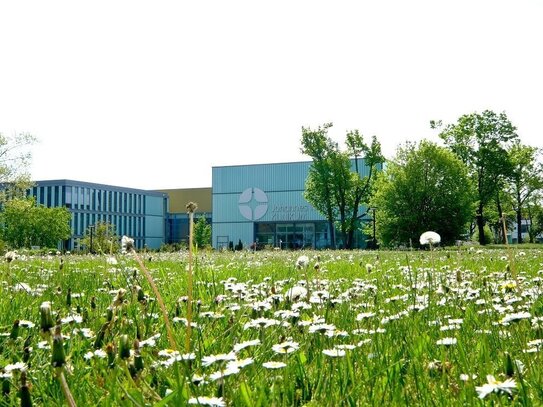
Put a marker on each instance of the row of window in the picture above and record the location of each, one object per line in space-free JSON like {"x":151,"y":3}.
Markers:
{"x":91,"y":199}
{"x":133,"y":226}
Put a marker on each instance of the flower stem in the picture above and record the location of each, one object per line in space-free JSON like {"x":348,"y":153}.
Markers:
{"x":65,"y":388}
{"x":149,"y":278}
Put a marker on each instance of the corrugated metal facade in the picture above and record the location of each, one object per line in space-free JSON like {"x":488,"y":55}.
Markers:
{"x":261,"y":200}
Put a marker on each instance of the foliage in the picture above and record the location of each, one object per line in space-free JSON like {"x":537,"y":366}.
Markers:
{"x":14,"y":162}
{"x":425,"y":187}
{"x":489,"y":235}
{"x":526,"y":179}
{"x":333,"y":186}
{"x":496,"y":216}
{"x":25,"y":224}
{"x":481,"y":140}
{"x":104,"y":238}
{"x":202,"y":232}
{"x":535,"y":218}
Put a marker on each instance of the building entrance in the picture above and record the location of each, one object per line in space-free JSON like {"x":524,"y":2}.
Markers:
{"x":295,"y":236}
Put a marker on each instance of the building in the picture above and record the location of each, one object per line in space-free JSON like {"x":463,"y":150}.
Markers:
{"x":177,"y":219}
{"x":263,"y":204}
{"x":512,"y":236}
{"x":134,"y":212}
{"x":259,"y":204}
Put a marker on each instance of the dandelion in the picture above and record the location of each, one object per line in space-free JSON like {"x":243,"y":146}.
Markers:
{"x":127,"y":244}
{"x":112,"y":261}
{"x":302,"y":262}
{"x":10,"y":256}
{"x":430,"y":238}
{"x":295,"y":293}
{"x":493,"y":385}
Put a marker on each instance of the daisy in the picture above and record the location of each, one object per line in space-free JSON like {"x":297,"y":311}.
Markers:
{"x":274,"y":365}
{"x":209,"y":360}
{"x":334,"y":353}
{"x":447,"y":341}
{"x":497,"y":386}
{"x":243,"y":345}
{"x":286,"y":347}
{"x":208,"y":401}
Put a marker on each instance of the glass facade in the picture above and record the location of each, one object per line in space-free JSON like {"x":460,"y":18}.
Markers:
{"x":139,"y":214}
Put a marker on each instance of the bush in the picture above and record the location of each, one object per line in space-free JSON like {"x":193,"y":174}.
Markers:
{"x":489,"y":236}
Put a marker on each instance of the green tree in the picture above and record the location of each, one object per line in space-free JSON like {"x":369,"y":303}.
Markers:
{"x":104,"y":238}
{"x":202,"y":232}
{"x":526,"y":179}
{"x":319,"y":182}
{"x":481,"y":140}
{"x":14,"y":161}
{"x":25,"y":224}
{"x":332,"y":186}
{"x":425,"y":187}
{"x":534,"y":212}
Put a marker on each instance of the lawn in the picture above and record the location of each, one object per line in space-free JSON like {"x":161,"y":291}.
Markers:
{"x":277,"y":328}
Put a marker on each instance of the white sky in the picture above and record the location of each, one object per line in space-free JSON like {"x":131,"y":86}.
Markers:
{"x":153,"y":94}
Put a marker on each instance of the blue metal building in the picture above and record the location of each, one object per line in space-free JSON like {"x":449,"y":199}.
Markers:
{"x":264,"y":204}
{"x":136,"y":213}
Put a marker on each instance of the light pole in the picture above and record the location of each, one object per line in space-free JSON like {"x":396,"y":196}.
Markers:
{"x":374,"y":238}
{"x":91,"y":229}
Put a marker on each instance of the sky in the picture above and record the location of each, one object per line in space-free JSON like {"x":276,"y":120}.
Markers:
{"x":153,"y":94}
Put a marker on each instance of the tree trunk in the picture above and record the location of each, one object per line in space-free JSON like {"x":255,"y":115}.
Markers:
{"x":332,"y":233}
{"x":481,"y":225}
{"x":519,"y":225}
{"x":350,"y":240}
{"x":501,"y":220}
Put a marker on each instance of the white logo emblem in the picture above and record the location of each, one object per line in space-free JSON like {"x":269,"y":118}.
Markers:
{"x":253,"y":198}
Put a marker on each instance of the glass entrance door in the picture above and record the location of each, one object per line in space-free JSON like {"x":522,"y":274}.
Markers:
{"x":295,"y":235}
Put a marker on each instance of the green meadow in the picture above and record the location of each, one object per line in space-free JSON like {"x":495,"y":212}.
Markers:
{"x":274,"y":328}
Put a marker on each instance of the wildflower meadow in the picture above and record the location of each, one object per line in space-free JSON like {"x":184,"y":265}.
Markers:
{"x":273,"y":328}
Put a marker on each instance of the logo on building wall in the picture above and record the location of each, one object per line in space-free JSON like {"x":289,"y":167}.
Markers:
{"x":253,"y":203}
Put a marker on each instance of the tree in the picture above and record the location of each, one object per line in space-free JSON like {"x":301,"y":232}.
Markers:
{"x":535,"y":217}
{"x":202,"y":232}
{"x":318,"y":186}
{"x":101,"y":238}
{"x":425,"y":187}
{"x":332,"y":187}
{"x":526,"y":179}
{"x":14,"y":161}
{"x":24,"y":224}
{"x":481,"y":140}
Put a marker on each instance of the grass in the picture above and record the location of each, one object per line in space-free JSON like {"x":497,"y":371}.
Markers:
{"x":363,"y":338}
